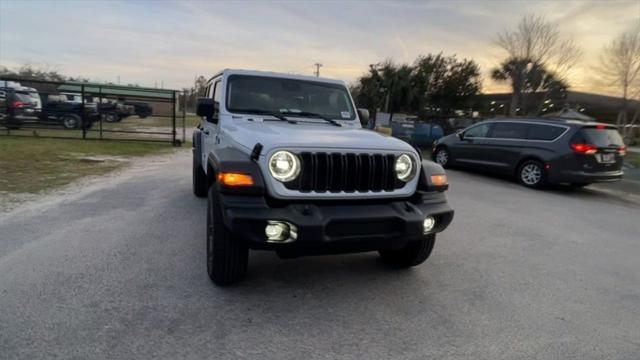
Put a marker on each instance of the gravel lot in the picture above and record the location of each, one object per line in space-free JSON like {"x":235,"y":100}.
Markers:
{"x":118,"y":271}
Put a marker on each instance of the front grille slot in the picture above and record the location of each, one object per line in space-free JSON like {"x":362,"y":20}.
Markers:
{"x":335,"y":172}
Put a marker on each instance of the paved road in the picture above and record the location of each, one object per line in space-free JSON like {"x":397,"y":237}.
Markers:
{"x":118,"y":272}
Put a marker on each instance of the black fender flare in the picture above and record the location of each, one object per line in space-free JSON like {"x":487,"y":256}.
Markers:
{"x":428,"y":169}
{"x":230,"y":160}
{"x":196,"y":148}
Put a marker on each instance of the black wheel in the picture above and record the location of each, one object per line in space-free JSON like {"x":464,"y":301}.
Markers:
{"x":415,"y":253}
{"x":199,"y":178}
{"x":531,"y":174}
{"x":442,"y":156}
{"x":110,"y":117}
{"x":227,"y":258}
{"x":71,"y":121}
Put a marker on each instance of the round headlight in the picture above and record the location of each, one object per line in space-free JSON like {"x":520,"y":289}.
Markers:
{"x":284,"y":166}
{"x":404,"y":167}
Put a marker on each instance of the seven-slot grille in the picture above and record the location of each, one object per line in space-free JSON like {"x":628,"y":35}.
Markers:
{"x":335,"y":172}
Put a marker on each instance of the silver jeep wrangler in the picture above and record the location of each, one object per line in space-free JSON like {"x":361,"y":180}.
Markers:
{"x":287,"y":166}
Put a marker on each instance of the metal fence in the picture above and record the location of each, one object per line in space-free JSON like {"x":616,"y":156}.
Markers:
{"x":82,"y":110}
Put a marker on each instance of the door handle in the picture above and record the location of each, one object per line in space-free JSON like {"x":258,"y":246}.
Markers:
{"x":206,"y":132}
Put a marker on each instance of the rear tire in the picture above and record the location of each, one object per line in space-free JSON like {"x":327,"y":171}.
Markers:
{"x":531,"y":174}
{"x":199,"y":178}
{"x":227,"y":258}
{"x":414,"y":253}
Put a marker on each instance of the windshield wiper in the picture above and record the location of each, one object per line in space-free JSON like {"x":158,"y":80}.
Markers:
{"x":319,"y":116}
{"x":276,"y":114}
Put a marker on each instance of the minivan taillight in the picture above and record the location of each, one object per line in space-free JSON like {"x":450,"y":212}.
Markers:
{"x":622,"y":150}
{"x":584,"y":148}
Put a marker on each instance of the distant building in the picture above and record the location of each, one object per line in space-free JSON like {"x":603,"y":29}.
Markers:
{"x":599,"y":107}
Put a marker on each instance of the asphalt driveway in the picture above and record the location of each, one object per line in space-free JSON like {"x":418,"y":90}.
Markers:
{"x":118,"y":271}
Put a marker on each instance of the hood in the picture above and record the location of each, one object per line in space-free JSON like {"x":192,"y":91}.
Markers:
{"x":275,"y":134}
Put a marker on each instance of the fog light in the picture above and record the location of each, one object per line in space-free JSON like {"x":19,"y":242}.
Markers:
{"x":279,"y":231}
{"x":428,"y":224}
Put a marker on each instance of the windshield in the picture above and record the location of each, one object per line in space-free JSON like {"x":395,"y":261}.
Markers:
{"x":258,"y":94}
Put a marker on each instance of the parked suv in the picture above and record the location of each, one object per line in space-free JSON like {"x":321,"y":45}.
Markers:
{"x":16,"y":106}
{"x":286,"y":166}
{"x":537,"y":151}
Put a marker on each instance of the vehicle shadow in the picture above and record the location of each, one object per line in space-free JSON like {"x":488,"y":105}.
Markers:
{"x":595,"y":192}
{"x":335,"y":276}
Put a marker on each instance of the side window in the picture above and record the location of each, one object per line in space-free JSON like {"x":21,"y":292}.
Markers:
{"x":544,"y":132}
{"x":477,"y":131}
{"x":506,"y":130}
{"x":216,"y":91}
{"x":207,"y":92}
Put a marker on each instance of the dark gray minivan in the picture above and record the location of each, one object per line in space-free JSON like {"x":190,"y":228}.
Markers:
{"x":537,"y":151}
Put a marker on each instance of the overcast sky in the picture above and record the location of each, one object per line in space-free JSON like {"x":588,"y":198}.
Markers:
{"x":152,"y":41}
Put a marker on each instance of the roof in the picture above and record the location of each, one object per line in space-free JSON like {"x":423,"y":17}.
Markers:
{"x":547,"y":120}
{"x":228,"y":72}
{"x":117,"y":90}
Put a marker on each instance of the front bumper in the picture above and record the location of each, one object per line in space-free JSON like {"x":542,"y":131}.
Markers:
{"x":337,"y":227}
{"x":570,"y":176}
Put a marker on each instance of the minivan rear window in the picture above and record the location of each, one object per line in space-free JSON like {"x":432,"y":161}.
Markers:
{"x":544,"y":132}
{"x":598,"y":137}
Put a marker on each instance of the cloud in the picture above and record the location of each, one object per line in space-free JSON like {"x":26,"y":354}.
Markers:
{"x":147,"y":42}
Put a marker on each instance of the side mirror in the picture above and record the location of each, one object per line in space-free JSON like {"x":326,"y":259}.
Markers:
{"x":363,"y":114}
{"x":460,"y":135}
{"x":208,"y":108}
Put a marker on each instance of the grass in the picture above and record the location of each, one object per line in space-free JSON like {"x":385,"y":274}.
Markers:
{"x":31,"y":165}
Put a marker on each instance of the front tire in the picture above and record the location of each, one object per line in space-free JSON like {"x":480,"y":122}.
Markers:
{"x":110,"y":117}
{"x":442,"y":157}
{"x":199,"y":178}
{"x":531,"y":174}
{"x":71,"y":121}
{"x":414,"y":253}
{"x":227,"y":258}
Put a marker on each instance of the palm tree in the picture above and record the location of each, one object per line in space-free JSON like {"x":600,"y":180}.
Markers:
{"x":514,"y":70}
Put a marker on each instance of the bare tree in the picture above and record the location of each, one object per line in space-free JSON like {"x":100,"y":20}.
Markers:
{"x":620,"y":66}
{"x":535,"y":43}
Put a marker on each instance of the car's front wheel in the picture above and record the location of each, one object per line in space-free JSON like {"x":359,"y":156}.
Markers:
{"x":414,"y":253}
{"x":531,"y":174}
{"x":110,"y":117}
{"x":227,"y":258}
{"x":71,"y":121}
{"x":442,"y":156}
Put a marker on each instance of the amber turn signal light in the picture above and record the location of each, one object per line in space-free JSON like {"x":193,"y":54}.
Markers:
{"x":235,"y":179}
{"x":438,"y":180}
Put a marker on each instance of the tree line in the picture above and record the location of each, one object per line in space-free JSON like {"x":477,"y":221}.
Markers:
{"x":537,"y":64}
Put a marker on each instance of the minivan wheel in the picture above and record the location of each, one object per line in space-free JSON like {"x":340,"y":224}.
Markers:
{"x":442,"y":156}
{"x":227,"y":258}
{"x":531,"y":174}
